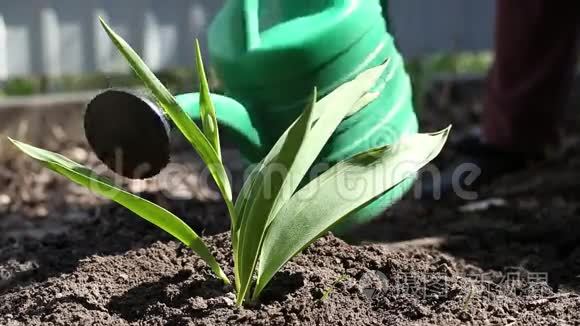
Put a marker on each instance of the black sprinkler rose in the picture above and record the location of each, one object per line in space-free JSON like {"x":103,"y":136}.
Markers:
{"x":129,"y":134}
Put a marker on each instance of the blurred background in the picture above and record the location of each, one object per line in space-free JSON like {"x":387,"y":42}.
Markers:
{"x":56,"y":46}
{"x":54,"y":55}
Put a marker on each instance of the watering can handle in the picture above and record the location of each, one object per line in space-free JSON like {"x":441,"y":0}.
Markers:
{"x":252,"y":23}
{"x":232,"y":117}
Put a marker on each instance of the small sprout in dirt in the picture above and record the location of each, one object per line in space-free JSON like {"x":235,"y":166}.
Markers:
{"x":468,"y":298}
{"x":326,"y":293}
{"x":275,"y":216}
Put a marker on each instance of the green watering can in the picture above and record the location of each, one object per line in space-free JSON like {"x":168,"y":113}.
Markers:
{"x":269,"y":55}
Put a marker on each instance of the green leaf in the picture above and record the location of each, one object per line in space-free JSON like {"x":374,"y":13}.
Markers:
{"x":187,"y":127}
{"x":345,"y":100}
{"x":240,"y":207}
{"x":360,"y":95}
{"x":290,"y":158}
{"x":267,"y":185}
{"x":206,"y":108}
{"x":144,"y":208}
{"x":330,"y":111}
{"x":339,"y":191}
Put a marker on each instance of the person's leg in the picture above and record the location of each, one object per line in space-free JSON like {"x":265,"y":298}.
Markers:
{"x":536,"y":45}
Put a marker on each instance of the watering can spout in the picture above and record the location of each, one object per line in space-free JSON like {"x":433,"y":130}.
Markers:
{"x":131,"y":135}
{"x":233,"y":119}
{"x":252,"y":23}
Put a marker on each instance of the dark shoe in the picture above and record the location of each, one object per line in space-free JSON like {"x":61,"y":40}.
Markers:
{"x":478,"y":163}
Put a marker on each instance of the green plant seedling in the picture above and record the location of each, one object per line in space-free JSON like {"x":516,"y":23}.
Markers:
{"x":274,"y":216}
{"x":326,"y":293}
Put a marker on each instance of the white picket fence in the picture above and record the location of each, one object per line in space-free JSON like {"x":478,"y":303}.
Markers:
{"x":56,"y":37}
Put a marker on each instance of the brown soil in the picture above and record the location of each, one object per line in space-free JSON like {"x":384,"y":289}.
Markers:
{"x":165,"y":283}
{"x":69,"y":258}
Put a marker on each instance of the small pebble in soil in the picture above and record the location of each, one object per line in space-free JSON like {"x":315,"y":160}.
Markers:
{"x":422,"y":311}
{"x":229,"y":301}
{"x":444,"y":268}
{"x":464,"y":316}
{"x":221,"y":301}
{"x":231,"y":295}
{"x":198,"y":303}
{"x":5,"y":199}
